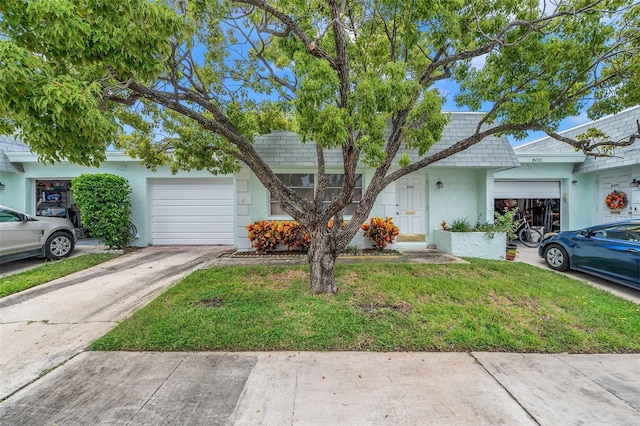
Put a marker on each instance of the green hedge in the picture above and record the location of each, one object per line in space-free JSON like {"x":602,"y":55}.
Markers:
{"x":105,"y":207}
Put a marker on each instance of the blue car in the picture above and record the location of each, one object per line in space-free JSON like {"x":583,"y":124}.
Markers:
{"x":610,"y":251}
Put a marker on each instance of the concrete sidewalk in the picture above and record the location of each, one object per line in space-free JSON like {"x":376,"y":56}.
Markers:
{"x":332,"y":388}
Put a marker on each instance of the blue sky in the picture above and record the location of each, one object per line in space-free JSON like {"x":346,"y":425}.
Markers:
{"x":449,"y":89}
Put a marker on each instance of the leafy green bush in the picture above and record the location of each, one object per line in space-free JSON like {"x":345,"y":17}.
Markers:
{"x":461,"y":225}
{"x":105,"y":206}
{"x":505,"y":222}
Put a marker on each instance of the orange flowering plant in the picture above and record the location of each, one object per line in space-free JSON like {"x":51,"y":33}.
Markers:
{"x":266,"y":235}
{"x":617,"y":200}
{"x":380,"y":231}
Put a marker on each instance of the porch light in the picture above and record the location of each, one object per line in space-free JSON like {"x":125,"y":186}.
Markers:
{"x":439,"y":184}
{"x":635,"y":183}
{"x":2,"y":187}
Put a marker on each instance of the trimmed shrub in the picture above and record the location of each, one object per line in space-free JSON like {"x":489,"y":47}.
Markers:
{"x":380,"y":231}
{"x":105,"y":206}
{"x":266,"y":235}
{"x":262,"y":235}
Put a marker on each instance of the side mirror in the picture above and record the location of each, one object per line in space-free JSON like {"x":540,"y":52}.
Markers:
{"x":24,"y":218}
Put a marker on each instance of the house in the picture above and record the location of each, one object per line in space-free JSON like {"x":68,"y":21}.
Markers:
{"x":565,"y":189}
{"x":198,"y":208}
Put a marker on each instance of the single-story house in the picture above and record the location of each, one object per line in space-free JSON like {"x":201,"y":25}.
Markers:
{"x":198,"y":208}
{"x":565,"y":189}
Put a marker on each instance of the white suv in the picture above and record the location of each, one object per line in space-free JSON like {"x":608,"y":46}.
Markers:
{"x":22,"y":236}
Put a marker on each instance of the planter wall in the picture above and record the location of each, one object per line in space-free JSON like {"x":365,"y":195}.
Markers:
{"x":472,"y":244}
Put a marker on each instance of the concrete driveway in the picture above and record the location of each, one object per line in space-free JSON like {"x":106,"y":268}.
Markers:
{"x":530,"y":256}
{"x":45,"y":326}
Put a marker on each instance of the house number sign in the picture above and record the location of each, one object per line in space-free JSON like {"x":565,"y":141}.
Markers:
{"x":409,"y":186}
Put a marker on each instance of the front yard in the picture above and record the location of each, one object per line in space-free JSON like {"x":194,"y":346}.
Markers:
{"x":481,"y":306}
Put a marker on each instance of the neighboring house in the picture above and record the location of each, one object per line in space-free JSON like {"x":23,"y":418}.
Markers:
{"x":554,"y":178}
{"x":198,"y":208}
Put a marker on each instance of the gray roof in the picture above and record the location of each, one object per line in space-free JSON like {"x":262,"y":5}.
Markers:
{"x":7,"y":144}
{"x":617,"y":126}
{"x":284,"y":149}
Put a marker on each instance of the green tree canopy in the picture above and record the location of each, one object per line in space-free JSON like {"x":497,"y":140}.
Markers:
{"x":191,"y":83}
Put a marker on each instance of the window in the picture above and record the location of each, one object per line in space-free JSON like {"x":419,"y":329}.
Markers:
{"x":9,"y":216}
{"x":629,"y":232}
{"x":333,"y":190}
{"x":304,"y":184}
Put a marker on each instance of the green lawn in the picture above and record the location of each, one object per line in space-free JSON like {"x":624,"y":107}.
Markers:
{"x":484,"y":305}
{"x":50,"y":271}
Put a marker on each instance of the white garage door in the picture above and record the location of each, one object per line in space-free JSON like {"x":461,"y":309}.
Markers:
{"x":192,"y":211}
{"x":526,"y":189}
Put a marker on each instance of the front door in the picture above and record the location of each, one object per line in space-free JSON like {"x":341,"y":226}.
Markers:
{"x":607,"y":184}
{"x":410,"y":191}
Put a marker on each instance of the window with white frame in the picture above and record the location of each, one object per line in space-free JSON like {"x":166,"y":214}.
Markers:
{"x":304,"y":184}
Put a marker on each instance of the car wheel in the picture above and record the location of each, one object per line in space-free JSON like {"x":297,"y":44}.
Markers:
{"x":59,"y":245}
{"x":556,"y":257}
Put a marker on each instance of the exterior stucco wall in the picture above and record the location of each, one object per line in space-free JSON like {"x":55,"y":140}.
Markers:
{"x":22,"y":187}
{"x":13,"y":194}
{"x":463,"y":196}
{"x":258,"y":208}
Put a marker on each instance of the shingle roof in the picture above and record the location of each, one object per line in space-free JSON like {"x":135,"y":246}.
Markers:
{"x":617,"y":127}
{"x":284,"y":149}
{"x":7,"y":144}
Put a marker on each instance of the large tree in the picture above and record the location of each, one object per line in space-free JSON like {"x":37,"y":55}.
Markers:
{"x":191,"y":83}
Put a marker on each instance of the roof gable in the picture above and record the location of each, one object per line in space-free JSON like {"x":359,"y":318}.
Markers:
{"x":8,"y":144}
{"x":618,"y":126}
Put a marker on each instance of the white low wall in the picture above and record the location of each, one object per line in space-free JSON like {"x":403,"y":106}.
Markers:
{"x":472,"y":244}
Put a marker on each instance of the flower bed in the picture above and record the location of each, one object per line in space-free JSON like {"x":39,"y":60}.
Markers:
{"x":287,"y":253}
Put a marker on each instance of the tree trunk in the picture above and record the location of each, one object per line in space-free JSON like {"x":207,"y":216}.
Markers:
{"x":322,"y":259}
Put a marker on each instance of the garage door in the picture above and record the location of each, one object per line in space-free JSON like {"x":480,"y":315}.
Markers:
{"x":527,"y":189}
{"x":192,"y":211}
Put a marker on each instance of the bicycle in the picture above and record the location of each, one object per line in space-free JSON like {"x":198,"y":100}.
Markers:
{"x":527,"y":235}
{"x":133,"y":231}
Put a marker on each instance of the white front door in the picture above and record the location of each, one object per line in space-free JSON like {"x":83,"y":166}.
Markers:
{"x":607,"y":184}
{"x":410,"y":191}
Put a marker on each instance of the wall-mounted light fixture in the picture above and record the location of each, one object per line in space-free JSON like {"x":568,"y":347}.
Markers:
{"x":2,"y":187}
{"x":439,"y":184}
{"x":635,"y":183}
{"x":574,"y":181}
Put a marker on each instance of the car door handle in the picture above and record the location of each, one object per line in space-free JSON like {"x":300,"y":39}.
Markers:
{"x":633,"y":251}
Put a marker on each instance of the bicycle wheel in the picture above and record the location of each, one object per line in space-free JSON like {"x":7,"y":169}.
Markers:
{"x":530,"y":237}
{"x":133,"y":231}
